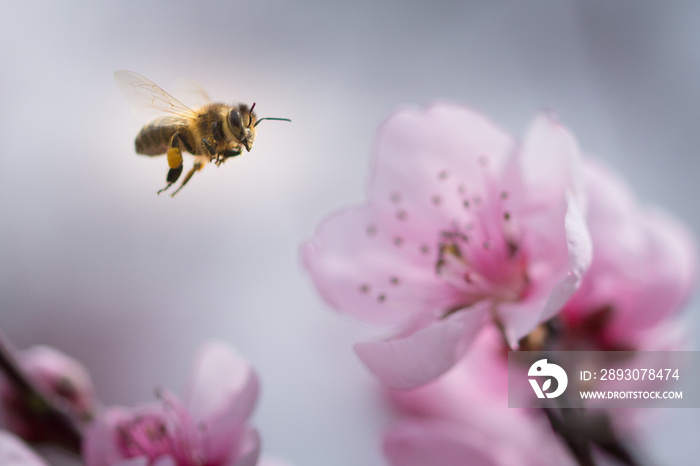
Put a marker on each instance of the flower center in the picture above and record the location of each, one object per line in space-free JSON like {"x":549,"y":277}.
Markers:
{"x":145,"y":435}
{"x":481,"y":266}
{"x":160,"y":431}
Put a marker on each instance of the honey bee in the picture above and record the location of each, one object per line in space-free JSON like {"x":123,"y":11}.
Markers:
{"x":213,"y":133}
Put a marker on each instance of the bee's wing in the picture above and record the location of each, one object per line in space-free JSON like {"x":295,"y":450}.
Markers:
{"x":192,"y":93}
{"x":146,"y":97}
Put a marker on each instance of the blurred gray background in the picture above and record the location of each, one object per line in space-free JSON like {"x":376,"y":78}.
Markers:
{"x":94,"y":263}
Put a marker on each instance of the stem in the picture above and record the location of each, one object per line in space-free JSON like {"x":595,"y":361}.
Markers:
{"x":63,"y":427}
{"x":581,"y":430}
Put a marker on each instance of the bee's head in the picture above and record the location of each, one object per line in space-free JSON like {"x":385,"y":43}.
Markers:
{"x":241,"y":121}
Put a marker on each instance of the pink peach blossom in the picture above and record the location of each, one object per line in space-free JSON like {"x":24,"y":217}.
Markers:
{"x":58,"y":376}
{"x":644,"y":266}
{"x":463,"y":418}
{"x":463,"y":225}
{"x":643,"y":269}
{"x":14,"y":452}
{"x":209,"y":429}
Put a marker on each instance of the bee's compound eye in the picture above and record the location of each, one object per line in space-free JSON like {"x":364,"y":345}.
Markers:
{"x":234,"y":119}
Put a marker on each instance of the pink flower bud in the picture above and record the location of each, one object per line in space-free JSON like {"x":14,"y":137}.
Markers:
{"x":60,"y":378}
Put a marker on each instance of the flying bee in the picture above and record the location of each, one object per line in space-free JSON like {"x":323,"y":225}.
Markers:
{"x":213,"y":133}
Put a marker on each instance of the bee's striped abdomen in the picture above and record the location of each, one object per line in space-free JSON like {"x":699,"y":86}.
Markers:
{"x":154,"y":139}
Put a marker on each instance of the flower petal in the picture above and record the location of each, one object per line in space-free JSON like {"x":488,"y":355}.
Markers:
{"x":249,"y":449}
{"x":222,"y":395}
{"x":671,"y":272}
{"x":580,"y":253}
{"x":371,"y":275}
{"x":424,"y":442}
{"x":100,"y":440}
{"x":549,"y":162}
{"x":548,"y":199}
{"x":425,"y":157}
{"x":645,"y":261}
{"x":409,"y":360}
{"x":14,"y":452}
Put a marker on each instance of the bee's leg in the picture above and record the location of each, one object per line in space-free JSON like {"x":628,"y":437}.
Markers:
{"x":174,"y":161}
{"x":197,"y":166}
{"x":173,"y":175}
{"x":209,"y":146}
{"x":226,"y":155}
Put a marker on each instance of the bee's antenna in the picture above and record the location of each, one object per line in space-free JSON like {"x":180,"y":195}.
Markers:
{"x":250,"y":115}
{"x":268,"y":118}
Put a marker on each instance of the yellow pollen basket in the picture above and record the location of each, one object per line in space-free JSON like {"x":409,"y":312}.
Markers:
{"x":174,"y":157}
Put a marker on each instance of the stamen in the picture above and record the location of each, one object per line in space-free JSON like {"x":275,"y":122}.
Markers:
{"x":512,"y":249}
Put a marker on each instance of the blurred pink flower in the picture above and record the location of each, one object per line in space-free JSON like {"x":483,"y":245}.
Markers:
{"x":644,"y":270}
{"x":14,"y":452}
{"x":58,"y":376}
{"x":463,"y":418}
{"x":463,"y":225}
{"x":210,"y":428}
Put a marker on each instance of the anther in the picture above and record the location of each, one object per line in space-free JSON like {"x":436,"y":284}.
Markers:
{"x":512,"y":249}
